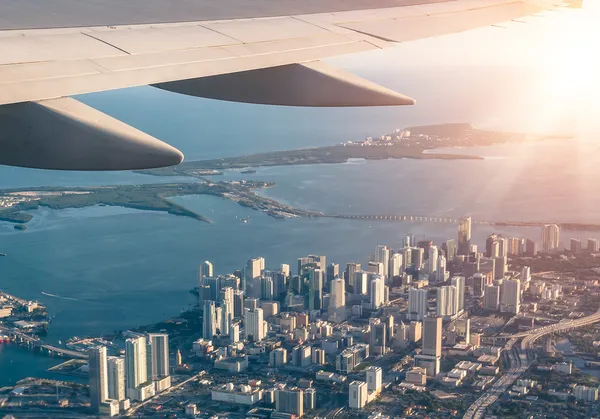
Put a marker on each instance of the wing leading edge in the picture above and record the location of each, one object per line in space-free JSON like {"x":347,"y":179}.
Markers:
{"x":273,"y":60}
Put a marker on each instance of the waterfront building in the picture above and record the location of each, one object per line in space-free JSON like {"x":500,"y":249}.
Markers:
{"x":206,"y":270}
{"x":550,"y":238}
{"x":98,"y":377}
{"x":116,"y":378}
{"x":137,"y":385}
{"x":382,"y":255}
{"x":593,"y":246}
{"x":575,"y":246}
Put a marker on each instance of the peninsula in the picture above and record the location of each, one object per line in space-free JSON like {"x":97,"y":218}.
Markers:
{"x":413,"y":143}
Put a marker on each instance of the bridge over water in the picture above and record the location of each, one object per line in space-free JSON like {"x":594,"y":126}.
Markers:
{"x":454,"y":220}
{"x":35,"y":342}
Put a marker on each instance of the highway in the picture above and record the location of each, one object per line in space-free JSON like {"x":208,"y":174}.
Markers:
{"x":518,"y":361}
{"x":40,"y":344}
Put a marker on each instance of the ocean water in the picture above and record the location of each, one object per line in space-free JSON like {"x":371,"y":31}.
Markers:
{"x":114,"y":268}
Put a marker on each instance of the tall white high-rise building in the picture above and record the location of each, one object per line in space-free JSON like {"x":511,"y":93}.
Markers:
{"x":357,"y":394}
{"x":491,"y":299}
{"x":136,"y":370}
{"x":432,"y":262}
{"x":447,"y":301}
{"x":98,"y":377}
{"x":374,"y":378}
{"x":511,"y":296}
{"x":550,"y":238}
{"x":459,"y":283}
{"x":417,"y":303}
{"x":395,"y":266}
{"x":285,"y":269}
{"x":337,"y":298}
{"x":252,"y":272}
{"x":206,"y":270}
{"x":526,"y":274}
{"x":159,"y":343}
{"x":377,"y":292}
{"x":254,"y":324}
{"x":209,"y":320}
{"x":227,"y":311}
{"x":382,"y":255}
{"x":593,"y":246}
{"x":116,"y":378}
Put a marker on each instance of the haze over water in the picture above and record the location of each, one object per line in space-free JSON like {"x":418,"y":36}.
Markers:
{"x":121,"y":268}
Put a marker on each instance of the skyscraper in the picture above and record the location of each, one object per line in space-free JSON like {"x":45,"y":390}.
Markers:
{"x":395,"y":265}
{"x":159,"y":343}
{"x":136,"y":371}
{"x":575,"y":246}
{"x":378,"y":339}
{"x":98,"y":377}
{"x":382,"y":255}
{"x":374,"y":379}
{"x":491,"y":300}
{"x":417,"y":303}
{"x":459,"y":283}
{"x":377,"y":292}
{"x":315,"y":289}
{"x":511,"y":296}
{"x":206,"y":270}
{"x":432,"y":336}
{"x":359,"y":283}
{"x":351,"y":267}
{"x":479,"y":283}
{"x":209,"y":321}
{"x":464,"y":236}
{"x":238,"y":303}
{"x":450,"y":249}
{"x":417,"y":257}
{"x":290,"y":401}
{"x":447,"y":301}
{"x":337,"y":299}
{"x":333,"y":272}
{"x":116,"y":378}
{"x":432,"y":261}
{"x":254,"y":325}
{"x":441,"y":274}
{"x":593,"y":246}
{"x":550,"y":238}
{"x":266,"y":289}
{"x":358,"y":394}
{"x":253,"y":270}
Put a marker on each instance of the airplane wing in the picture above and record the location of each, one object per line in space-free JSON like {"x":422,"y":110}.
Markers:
{"x":255,"y":51}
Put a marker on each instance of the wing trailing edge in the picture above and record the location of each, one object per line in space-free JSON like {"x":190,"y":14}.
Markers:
{"x":64,"y":134}
{"x":308,"y":84}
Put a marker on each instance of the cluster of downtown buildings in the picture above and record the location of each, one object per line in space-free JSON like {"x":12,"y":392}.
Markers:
{"x":324,"y":318}
{"x":142,"y":373}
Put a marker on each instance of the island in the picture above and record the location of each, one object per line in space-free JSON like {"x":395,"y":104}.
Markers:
{"x":16,"y":205}
{"x":412,"y":143}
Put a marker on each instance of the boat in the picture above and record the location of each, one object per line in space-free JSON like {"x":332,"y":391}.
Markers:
{"x":248,"y":171}
{"x":245,"y":220}
{"x":4,"y":339}
{"x":2,"y":254}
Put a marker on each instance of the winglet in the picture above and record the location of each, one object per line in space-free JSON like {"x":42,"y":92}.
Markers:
{"x":308,"y":84}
